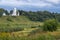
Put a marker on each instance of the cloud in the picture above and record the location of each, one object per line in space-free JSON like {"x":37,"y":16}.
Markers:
{"x":53,"y":1}
{"x":31,"y":4}
{"x":38,"y":3}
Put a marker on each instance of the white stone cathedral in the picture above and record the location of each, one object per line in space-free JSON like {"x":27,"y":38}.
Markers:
{"x":15,"y":13}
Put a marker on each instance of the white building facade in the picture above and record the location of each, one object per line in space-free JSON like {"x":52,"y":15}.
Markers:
{"x":15,"y":12}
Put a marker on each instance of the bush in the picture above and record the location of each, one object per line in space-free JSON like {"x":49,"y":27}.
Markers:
{"x":50,"y":25}
{"x":33,"y":26}
{"x":18,"y":29}
{"x":10,"y":28}
{"x":9,"y":19}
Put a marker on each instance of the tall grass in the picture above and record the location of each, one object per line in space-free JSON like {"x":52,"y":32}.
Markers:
{"x":9,"y":27}
{"x":14,"y":37}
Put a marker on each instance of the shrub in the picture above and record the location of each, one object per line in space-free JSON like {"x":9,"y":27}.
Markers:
{"x":10,"y":28}
{"x":33,"y":26}
{"x":9,"y":19}
{"x":50,"y":25}
{"x":18,"y":29}
{"x":33,"y":32}
{"x":14,"y":16}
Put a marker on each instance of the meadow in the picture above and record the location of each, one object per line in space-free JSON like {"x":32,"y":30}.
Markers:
{"x":21,"y":28}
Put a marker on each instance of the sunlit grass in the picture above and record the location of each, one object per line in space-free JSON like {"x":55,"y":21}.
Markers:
{"x":26,"y":24}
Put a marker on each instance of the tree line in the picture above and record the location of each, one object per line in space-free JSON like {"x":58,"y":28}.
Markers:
{"x":34,"y":16}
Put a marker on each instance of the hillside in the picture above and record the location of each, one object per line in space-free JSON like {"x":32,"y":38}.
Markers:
{"x":22,"y":28}
{"x":18,"y":21}
{"x":12,"y":19}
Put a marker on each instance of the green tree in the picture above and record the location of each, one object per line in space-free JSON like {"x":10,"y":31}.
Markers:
{"x":1,"y":11}
{"x":6,"y":12}
{"x":50,"y":25}
{"x":11,"y":12}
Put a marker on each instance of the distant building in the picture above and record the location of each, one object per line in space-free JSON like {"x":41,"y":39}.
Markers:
{"x":15,"y":12}
{"x":4,"y":14}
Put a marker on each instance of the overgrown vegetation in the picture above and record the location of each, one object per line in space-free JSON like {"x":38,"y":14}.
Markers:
{"x":10,"y":28}
{"x":50,"y":25}
{"x":14,"y":37}
{"x":40,"y":25}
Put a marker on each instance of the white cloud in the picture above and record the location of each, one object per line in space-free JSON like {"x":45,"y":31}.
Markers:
{"x":38,"y":3}
{"x":53,"y":1}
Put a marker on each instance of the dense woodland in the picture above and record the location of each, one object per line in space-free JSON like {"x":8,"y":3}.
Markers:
{"x":34,"y":16}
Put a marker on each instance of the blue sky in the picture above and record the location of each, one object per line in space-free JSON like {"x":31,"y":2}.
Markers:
{"x":31,"y":5}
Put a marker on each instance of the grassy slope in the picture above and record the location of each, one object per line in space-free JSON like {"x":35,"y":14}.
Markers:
{"x":24,"y":22}
{"x":21,"y":20}
{"x":18,"y":21}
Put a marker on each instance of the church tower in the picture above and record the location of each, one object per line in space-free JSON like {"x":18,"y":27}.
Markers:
{"x":15,"y":12}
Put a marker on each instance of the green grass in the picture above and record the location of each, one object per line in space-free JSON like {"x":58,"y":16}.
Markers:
{"x":16,"y":20}
{"x":8,"y":36}
{"x":9,"y":23}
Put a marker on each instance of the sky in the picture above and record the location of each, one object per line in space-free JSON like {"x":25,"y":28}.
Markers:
{"x":31,"y":5}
